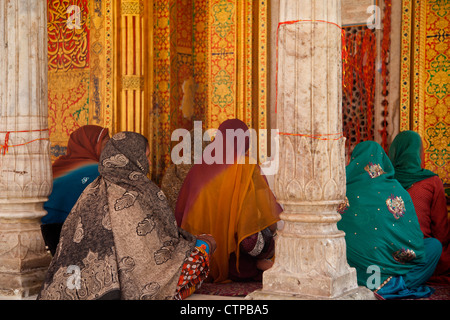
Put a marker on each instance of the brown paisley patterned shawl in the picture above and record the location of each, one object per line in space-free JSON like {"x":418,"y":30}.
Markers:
{"x":120,"y":239}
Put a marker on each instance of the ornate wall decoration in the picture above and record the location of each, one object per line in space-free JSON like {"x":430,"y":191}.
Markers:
{"x":426,"y":79}
{"x":367,"y":114}
{"x":163,"y":89}
{"x":155,"y":66}
{"x":222,"y":60}
{"x":68,"y":106}
{"x":68,"y":35}
{"x":210,"y":62}
{"x":80,"y":61}
{"x":200,"y":59}
{"x":237,"y":61}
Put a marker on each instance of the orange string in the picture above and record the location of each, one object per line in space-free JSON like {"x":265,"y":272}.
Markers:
{"x":5,"y":147}
{"x":316,"y":136}
{"x":11,"y":131}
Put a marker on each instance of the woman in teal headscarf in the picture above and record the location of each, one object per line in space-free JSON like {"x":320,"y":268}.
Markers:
{"x":384,"y":241}
{"x":427,"y":193}
{"x":406,"y":154}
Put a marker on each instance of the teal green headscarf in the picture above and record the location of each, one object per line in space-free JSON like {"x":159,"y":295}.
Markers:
{"x":380,"y":223}
{"x":405,"y":154}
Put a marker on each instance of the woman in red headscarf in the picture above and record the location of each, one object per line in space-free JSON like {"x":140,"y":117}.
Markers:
{"x":71,"y":174}
{"x":232,"y":202}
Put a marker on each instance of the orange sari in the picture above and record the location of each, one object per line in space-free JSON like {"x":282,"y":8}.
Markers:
{"x":230,"y":202}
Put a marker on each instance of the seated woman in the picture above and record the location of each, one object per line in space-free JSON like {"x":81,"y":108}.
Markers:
{"x":71,"y":174}
{"x":427,"y":193}
{"x":233,"y":203}
{"x":120,"y":241}
{"x":382,"y":232}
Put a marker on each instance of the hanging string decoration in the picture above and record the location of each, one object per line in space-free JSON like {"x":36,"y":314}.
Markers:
{"x":385,"y":47}
{"x":359,"y":57}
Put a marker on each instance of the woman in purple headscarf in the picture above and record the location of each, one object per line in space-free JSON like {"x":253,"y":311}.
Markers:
{"x":229,"y":198}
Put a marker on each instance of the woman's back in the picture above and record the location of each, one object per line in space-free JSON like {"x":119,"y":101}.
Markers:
{"x":429,"y":201}
{"x":380,"y":223}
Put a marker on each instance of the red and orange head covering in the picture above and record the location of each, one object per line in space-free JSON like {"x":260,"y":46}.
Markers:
{"x":84,"y":147}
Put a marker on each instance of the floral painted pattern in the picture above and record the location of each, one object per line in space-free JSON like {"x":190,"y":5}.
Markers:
{"x":374,"y":170}
{"x":396,"y":206}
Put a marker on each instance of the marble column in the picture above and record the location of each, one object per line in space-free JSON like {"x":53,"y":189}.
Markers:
{"x":310,"y":250}
{"x":25,"y":167}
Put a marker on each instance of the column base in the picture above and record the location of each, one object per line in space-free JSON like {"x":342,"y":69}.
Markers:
{"x":360,"y":293}
{"x":21,"y":286}
{"x":23,"y":258}
{"x":279,"y":284}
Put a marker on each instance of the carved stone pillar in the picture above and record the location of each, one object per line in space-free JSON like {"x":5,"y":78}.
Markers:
{"x":310,"y":260}
{"x":25,"y":167}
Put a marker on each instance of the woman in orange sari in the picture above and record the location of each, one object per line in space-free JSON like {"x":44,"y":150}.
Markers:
{"x":233,"y":203}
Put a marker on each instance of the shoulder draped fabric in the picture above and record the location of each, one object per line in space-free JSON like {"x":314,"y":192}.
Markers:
{"x":429,"y":201}
{"x":121,"y":237}
{"x":380,"y":223}
{"x":228,"y":201}
{"x":71,"y":174}
{"x":66,"y":191}
{"x":406,"y":156}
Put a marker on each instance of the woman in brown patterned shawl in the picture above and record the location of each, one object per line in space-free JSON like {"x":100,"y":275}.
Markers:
{"x":120,"y":240}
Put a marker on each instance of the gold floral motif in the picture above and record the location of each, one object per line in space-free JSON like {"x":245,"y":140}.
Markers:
{"x":439,"y":80}
{"x":374,"y":170}
{"x":396,"y":206}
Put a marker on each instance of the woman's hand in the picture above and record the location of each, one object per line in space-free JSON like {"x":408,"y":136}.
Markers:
{"x":210,"y":240}
{"x":264,"y":264}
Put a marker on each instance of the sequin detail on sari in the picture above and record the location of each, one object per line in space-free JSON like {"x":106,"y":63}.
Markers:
{"x":396,"y":206}
{"x":343,"y":206}
{"x":404,"y":255}
{"x":374,"y":170}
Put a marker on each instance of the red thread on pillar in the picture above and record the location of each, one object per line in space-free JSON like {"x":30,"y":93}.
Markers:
{"x":5,"y":147}
{"x":293,"y":22}
{"x":316,"y":136}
